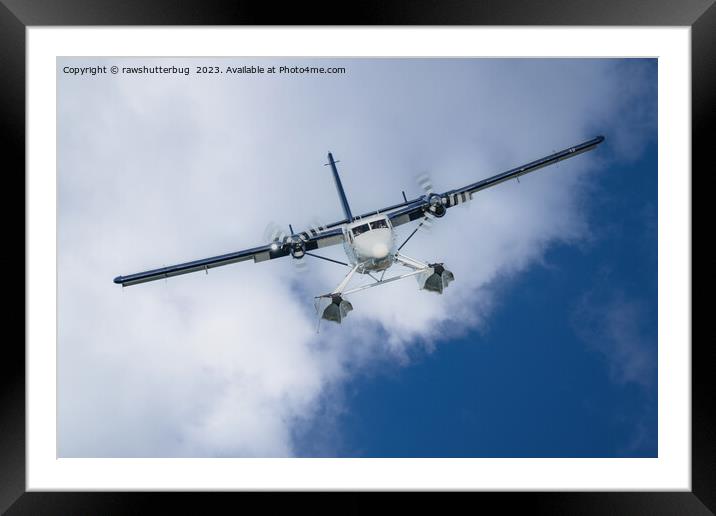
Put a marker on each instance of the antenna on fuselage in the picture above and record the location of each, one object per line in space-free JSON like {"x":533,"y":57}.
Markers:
{"x":339,"y":187}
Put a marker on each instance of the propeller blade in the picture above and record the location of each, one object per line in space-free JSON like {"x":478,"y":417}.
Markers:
{"x":274,"y":233}
{"x":425,"y":183}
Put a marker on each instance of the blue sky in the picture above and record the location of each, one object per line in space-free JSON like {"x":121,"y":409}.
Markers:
{"x":545,"y":345}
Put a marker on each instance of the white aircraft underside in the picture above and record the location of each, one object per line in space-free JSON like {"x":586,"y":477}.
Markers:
{"x":369,"y":240}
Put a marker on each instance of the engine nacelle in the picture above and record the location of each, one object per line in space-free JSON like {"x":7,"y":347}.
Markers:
{"x":436,"y":278}
{"x":298,"y":248}
{"x":436,"y":206}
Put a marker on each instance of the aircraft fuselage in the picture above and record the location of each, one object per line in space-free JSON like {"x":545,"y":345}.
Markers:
{"x":371,"y":242}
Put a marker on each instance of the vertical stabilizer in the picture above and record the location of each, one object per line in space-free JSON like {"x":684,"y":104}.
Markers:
{"x":339,"y":187}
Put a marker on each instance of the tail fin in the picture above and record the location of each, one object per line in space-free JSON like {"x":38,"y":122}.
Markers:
{"x":339,"y":187}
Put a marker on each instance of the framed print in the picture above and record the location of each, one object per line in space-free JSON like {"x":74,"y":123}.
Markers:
{"x":406,"y":255}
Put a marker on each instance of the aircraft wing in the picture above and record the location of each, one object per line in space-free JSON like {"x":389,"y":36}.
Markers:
{"x":421,"y":207}
{"x":410,"y":212}
{"x":307,"y":241}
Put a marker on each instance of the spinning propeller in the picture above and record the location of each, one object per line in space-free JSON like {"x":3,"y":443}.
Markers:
{"x":278,"y":237}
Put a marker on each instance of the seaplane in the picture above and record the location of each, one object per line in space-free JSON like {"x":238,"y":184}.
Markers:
{"x":369,"y":240}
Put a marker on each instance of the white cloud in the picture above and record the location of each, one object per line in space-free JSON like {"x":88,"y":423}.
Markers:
{"x":158,"y":170}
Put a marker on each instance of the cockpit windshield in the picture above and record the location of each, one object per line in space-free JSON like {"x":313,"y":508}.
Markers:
{"x":360,"y":229}
{"x":379,"y":224}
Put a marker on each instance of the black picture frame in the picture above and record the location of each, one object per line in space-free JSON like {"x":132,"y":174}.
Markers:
{"x":16,"y":15}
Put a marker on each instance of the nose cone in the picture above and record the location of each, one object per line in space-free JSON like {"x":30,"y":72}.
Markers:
{"x":374,"y":244}
{"x":380,"y":250}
